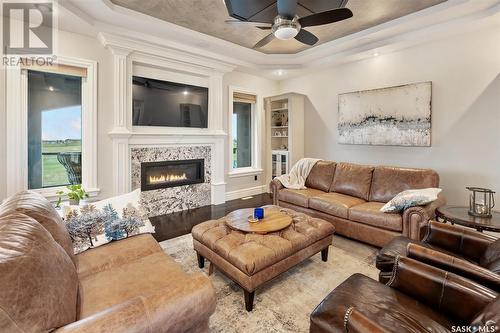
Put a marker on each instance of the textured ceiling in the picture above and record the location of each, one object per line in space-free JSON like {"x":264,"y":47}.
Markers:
{"x":208,"y":16}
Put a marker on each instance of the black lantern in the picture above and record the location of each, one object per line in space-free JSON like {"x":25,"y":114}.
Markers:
{"x":481,"y":201}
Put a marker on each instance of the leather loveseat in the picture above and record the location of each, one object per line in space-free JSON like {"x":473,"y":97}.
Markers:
{"x":350,"y":197}
{"x":417,"y":298}
{"x":126,"y":286}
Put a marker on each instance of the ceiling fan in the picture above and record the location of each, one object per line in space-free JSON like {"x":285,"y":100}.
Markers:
{"x":287,"y":24}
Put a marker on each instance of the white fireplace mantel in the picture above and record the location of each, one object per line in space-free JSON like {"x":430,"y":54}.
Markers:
{"x":128,"y":53}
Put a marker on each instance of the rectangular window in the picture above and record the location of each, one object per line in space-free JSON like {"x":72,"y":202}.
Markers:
{"x":242,"y":134}
{"x":54,"y":129}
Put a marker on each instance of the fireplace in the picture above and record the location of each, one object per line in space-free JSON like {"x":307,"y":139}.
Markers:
{"x":164,"y":174}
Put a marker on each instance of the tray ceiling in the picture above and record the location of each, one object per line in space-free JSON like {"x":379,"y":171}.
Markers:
{"x":208,"y":16}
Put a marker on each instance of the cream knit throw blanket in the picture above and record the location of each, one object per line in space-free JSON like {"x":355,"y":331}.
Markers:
{"x":296,"y":178}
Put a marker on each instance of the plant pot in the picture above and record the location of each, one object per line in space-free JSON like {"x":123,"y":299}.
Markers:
{"x":74,"y":202}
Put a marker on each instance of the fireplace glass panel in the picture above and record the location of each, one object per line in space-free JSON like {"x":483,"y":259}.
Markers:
{"x":156,"y":175}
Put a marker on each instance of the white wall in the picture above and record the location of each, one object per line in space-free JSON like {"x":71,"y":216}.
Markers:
{"x":264,"y":88}
{"x":465,"y":73}
{"x":2,"y":135}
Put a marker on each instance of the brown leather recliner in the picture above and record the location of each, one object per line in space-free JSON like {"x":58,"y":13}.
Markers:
{"x":418,"y":298}
{"x":456,"y":249}
{"x":130,"y":285}
{"x":350,"y":197}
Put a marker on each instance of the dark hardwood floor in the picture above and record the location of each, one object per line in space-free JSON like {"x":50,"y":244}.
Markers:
{"x":180,"y":223}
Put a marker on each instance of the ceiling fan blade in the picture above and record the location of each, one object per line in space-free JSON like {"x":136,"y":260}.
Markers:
{"x":306,"y":37}
{"x":327,"y":17}
{"x":250,"y":23}
{"x":264,"y":41}
{"x":287,"y":8}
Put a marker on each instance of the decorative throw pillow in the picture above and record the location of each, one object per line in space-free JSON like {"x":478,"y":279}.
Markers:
{"x":410,"y":198}
{"x":101,"y":222}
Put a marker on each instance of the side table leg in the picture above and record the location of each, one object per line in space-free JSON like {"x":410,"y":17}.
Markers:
{"x":324,"y":254}
{"x":201,"y":260}
{"x":210,"y":269}
{"x":249,"y":300}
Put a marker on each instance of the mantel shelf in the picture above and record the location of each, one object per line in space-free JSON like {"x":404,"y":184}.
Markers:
{"x":281,"y":109}
{"x":279,"y":126}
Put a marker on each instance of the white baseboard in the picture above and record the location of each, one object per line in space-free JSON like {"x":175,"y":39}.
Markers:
{"x":246,"y":192}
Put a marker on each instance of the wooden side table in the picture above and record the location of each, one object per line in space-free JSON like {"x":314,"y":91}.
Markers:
{"x":459,"y":215}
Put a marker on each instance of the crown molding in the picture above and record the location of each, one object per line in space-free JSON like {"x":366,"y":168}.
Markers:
{"x":157,"y":36}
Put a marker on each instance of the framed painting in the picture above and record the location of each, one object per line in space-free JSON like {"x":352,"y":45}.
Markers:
{"x":394,"y":116}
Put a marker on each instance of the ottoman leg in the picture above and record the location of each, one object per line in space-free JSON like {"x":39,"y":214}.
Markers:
{"x":324,"y":254}
{"x":201,"y":260}
{"x":249,"y":300}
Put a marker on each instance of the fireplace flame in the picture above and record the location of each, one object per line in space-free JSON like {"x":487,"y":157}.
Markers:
{"x":166,"y":178}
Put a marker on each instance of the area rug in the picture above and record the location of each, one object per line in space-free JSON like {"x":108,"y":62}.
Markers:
{"x":285,"y":303}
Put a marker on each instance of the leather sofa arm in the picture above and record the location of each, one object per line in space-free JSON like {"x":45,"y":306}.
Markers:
{"x":416,"y":218}
{"x":439,"y":289}
{"x":177,"y":308}
{"x":463,"y":241}
{"x":357,"y":322}
{"x":454,"y":265}
{"x":274,"y":187}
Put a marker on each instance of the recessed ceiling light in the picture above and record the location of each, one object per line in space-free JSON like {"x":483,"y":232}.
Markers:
{"x":375,"y":54}
{"x":51,"y":88}
{"x":279,"y":72}
{"x":185,"y":92}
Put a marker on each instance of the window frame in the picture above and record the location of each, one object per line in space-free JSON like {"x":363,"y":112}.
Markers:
{"x":17,"y":132}
{"x":256,"y":139}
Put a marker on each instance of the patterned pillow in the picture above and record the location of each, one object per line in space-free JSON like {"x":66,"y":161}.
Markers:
{"x":99,"y":223}
{"x":410,"y":198}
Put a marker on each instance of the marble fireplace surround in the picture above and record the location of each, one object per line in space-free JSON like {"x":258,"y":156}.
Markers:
{"x":178,"y":198}
{"x":162,"y":62}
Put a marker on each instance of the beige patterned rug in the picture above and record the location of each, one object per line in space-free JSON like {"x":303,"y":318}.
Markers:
{"x":285,"y":303}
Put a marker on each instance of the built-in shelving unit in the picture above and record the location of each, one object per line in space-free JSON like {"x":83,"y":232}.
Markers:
{"x":285,"y":132}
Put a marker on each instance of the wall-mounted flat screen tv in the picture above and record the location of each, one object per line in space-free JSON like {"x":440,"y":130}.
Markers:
{"x":171,"y":104}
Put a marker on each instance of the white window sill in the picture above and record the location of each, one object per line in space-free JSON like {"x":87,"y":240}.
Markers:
{"x":243,"y":172}
{"x":51,"y":192}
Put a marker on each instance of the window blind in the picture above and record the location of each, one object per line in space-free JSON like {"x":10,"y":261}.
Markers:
{"x":244,"y":98}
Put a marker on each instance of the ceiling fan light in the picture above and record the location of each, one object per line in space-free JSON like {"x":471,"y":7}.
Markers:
{"x":285,"y":32}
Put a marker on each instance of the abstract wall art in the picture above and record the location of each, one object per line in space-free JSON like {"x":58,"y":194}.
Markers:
{"x":394,"y":116}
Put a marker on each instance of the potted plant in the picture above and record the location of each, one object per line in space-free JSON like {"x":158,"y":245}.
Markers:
{"x":75,"y":194}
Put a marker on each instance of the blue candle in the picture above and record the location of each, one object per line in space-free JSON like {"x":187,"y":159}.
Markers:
{"x":258,"y":213}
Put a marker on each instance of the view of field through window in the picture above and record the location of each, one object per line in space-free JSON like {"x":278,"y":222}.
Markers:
{"x":54,"y":130}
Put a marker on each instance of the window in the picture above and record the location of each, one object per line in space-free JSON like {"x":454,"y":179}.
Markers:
{"x":34,"y":101}
{"x":245,"y":137}
{"x":242,"y":135}
{"x":54,"y":129}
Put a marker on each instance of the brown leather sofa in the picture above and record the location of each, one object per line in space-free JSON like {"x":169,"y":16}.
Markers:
{"x":453,"y":248}
{"x":350,"y":197}
{"x":418,"y":298}
{"x":130,"y":285}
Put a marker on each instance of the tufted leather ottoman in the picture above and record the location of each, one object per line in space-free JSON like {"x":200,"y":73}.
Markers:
{"x":252,"y":259}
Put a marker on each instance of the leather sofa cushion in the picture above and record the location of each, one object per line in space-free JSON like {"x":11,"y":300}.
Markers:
{"x":321,"y":176}
{"x":387,"y":182}
{"x":491,"y":257}
{"x":115,"y":254}
{"x":352,"y":179}
{"x":251,"y":253}
{"x":139,"y":277}
{"x":335,"y":204}
{"x":38,"y":279}
{"x":298,"y":197}
{"x":378,"y":300}
{"x":37,"y":207}
{"x":369,"y":213}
